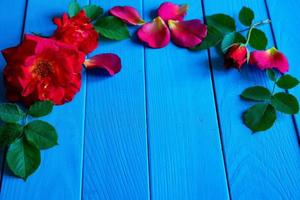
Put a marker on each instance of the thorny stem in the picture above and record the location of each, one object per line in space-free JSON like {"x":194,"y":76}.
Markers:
{"x":25,"y":120}
{"x":248,"y":35}
{"x":273,"y":90}
{"x":267,"y":21}
{"x":250,"y":28}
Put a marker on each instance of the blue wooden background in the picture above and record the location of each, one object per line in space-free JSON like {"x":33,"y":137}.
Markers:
{"x":169,"y":125}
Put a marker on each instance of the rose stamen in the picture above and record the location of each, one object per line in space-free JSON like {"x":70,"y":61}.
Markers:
{"x":42,"y":69}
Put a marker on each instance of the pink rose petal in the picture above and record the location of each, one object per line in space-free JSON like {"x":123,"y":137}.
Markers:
{"x":187,"y":33}
{"x":172,"y":11}
{"x":155,"y":34}
{"x":127,"y":14}
{"x":270,"y":59}
{"x":108,"y":61}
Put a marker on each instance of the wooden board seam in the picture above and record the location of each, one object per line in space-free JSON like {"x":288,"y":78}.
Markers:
{"x":147,"y":129}
{"x":276,"y":46}
{"x":216,"y":107}
{"x":5,"y":150}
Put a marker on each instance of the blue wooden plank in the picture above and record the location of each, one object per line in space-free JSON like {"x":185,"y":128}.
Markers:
{"x":264,"y":165}
{"x":285,"y":17}
{"x":11,"y":31}
{"x":115,"y":161}
{"x":59,"y":176}
{"x":185,"y":148}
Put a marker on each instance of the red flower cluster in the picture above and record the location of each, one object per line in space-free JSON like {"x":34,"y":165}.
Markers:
{"x":41,"y":69}
{"x":77,"y":31}
{"x":236,"y":56}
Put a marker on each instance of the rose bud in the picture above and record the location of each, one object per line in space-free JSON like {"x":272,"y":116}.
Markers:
{"x":77,"y":31}
{"x":41,"y":69}
{"x":236,"y":56}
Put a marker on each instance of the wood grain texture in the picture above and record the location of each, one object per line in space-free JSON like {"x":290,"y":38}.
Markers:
{"x":11,"y":33}
{"x":115,"y":162}
{"x":286,"y":23}
{"x":264,"y":165}
{"x":185,"y":149}
{"x":59,"y":176}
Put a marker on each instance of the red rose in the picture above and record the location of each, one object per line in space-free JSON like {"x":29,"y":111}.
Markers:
{"x":77,"y":31}
{"x":236,"y":56}
{"x":42,"y":69}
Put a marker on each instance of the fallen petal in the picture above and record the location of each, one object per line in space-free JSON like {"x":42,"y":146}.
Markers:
{"x":270,"y":59}
{"x":108,"y":61}
{"x":127,"y":14}
{"x":155,"y":34}
{"x":172,"y":11}
{"x":187,"y":33}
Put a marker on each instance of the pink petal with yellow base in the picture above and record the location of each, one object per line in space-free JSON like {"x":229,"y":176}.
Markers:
{"x":187,"y":33}
{"x":172,"y":11}
{"x":127,"y":14}
{"x":108,"y":61}
{"x":155,"y":34}
{"x":270,"y":59}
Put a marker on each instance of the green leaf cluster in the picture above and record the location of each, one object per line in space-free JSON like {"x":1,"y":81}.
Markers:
{"x":246,"y":16}
{"x":25,"y":140}
{"x":257,"y":39}
{"x":213,"y":38}
{"x":230,"y":39}
{"x":218,"y":26}
{"x":74,"y":8}
{"x":92,"y":11}
{"x":261,"y":116}
{"x":222,"y":32}
{"x":112,"y":28}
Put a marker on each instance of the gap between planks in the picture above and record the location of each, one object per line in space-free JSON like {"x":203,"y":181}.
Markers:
{"x":5,"y":150}
{"x":276,"y":46}
{"x":216,"y":106}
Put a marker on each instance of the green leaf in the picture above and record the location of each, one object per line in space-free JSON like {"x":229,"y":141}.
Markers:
{"x":112,"y":28}
{"x":41,"y":134}
{"x":246,"y":16}
{"x":271,"y":74}
{"x":285,"y":103}
{"x":74,"y":8}
{"x":212,"y":39}
{"x":256,"y":93}
{"x":9,"y":132}
{"x":10,"y":112}
{"x":23,"y":158}
{"x":258,"y":39}
{"x":93,"y":11}
{"x":223,"y":23}
{"x":230,"y":39}
{"x":260,"y":117}
{"x":40,"y":108}
{"x":287,"y":82}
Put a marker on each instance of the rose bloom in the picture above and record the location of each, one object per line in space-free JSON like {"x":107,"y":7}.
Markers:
{"x":77,"y":31}
{"x":42,"y":69}
{"x":236,"y":56}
